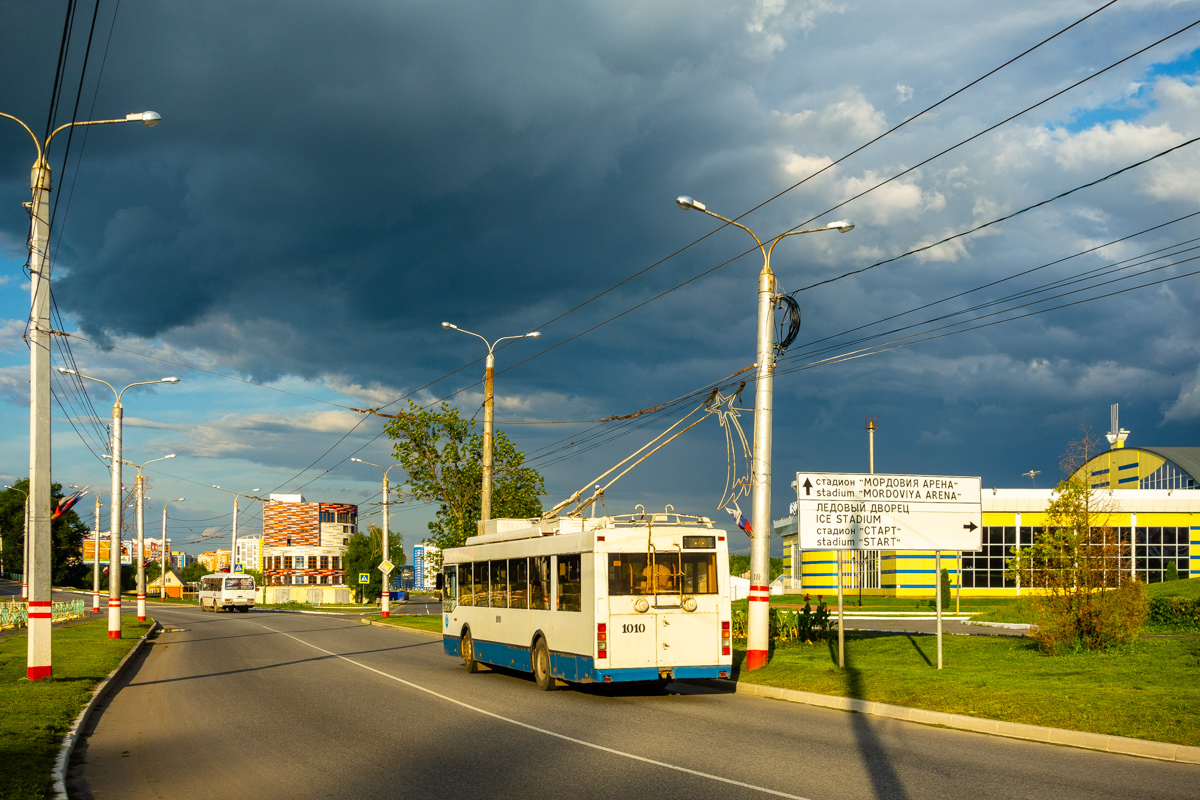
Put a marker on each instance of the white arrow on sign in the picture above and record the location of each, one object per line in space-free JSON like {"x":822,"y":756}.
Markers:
{"x":386,"y":566}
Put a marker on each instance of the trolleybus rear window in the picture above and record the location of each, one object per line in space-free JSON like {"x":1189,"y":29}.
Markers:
{"x":633,"y":573}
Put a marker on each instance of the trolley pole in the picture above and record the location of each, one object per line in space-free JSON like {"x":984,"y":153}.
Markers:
{"x":385,"y":599}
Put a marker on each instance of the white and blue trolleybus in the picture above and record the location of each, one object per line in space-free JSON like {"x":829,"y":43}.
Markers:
{"x":639,"y":597}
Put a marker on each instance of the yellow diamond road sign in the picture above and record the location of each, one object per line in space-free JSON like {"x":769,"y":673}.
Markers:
{"x":386,"y":566}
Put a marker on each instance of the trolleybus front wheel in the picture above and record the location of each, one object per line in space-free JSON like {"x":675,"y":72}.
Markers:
{"x":541,"y":666}
{"x":468,"y":652}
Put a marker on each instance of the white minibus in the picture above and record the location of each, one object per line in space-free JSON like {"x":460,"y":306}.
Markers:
{"x":222,"y":590}
{"x":619,"y":598}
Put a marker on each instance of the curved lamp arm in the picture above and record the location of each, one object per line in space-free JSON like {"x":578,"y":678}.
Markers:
{"x":36,"y":143}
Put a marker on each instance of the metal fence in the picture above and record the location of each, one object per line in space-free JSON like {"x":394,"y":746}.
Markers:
{"x":16,"y":614}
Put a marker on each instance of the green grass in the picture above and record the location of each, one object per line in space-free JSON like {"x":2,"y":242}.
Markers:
{"x":430,"y":622}
{"x":968,"y":605}
{"x":1144,"y":691}
{"x":37,"y":714}
{"x":1188,"y":587}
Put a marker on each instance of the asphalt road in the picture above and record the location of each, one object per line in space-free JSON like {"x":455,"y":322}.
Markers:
{"x":288,"y":705}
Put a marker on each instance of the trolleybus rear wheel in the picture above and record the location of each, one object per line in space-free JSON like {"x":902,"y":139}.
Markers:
{"x":541,"y":666}
{"x":468,"y":652}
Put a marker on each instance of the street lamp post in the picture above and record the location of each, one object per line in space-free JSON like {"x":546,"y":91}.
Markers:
{"x":95,"y":550}
{"x":164,"y":557}
{"x":386,"y":600}
{"x":488,"y":398}
{"x":141,"y":535}
{"x":115,"y":515}
{"x":25,"y":546}
{"x":233,"y":544}
{"x":758,"y":615}
{"x":38,"y":660}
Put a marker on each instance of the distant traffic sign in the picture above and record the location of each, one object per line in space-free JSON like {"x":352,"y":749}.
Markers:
{"x":364,"y":577}
{"x":854,"y":511}
{"x":386,"y":566}
{"x":239,"y":568}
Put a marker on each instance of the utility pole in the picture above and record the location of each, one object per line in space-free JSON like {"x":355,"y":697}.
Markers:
{"x":485,"y":512}
{"x":233,"y":543}
{"x":758,"y":615}
{"x":117,"y":514}
{"x":24,"y":544}
{"x":38,"y":661}
{"x":386,"y":599}
{"x":96,"y":558}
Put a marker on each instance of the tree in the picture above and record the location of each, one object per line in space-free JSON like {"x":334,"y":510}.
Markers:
{"x":443,"y":456}
{"x":66,"y":543}
{"x":193,"y":572}
{"x":1084,"y":598}
{"x":364,"y":553}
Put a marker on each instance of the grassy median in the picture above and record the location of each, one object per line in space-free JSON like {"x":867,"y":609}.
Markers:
{"x":36,"y":715}
{"x":422,"y":622}
{"x":1144,"y":691}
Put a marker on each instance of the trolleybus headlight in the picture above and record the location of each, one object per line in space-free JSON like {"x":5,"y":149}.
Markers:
{"x":689,"y":604}
{"x":641,"y":605}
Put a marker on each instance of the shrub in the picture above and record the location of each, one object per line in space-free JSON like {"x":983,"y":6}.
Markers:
{"x":1172,"y":572}
{"x":1176,"y":612}
{"x":946,"y":598}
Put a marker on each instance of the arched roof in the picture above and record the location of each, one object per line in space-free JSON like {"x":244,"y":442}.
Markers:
{"x":1143,"y":467}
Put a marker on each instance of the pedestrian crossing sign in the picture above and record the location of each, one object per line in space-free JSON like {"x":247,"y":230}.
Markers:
{"x":364,"y":577}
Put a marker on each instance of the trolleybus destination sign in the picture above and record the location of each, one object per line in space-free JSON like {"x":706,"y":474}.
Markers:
{"x":849,"y":511}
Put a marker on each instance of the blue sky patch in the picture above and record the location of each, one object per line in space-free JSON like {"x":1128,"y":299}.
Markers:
{"x":1137,"y":105}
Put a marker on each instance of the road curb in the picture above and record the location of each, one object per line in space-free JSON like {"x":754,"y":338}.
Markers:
{"x":401,"y":628}
{"x":350,"y":614}
{"x":1016,"y":626}
{"x":67,"y":748}
{"x":1142,"y":748}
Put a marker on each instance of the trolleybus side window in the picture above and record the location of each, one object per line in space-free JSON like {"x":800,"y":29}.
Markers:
{"x":464,"y":585}
{"x":518,"y":580}
{"x":539,"y":583}
{"x":499,"y":594}
{"x":570,"y":584}
{"x":450,"y":588}
{"x":479,"y":587}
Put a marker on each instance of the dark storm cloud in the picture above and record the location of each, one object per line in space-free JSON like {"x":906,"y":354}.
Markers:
{"x":333,"y":180}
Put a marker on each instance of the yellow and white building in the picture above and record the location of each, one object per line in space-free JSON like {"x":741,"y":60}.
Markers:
{"x":1155,"y":493}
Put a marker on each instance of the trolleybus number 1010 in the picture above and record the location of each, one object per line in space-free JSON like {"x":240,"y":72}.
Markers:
{"x":639,"y":628}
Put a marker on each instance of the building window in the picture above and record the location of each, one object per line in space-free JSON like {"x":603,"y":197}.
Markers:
{"x":345,"y":542}
{"x":984,"y":569}
{"x":287,"y":562}
{"x":337,"y":562}
{"x":1168,"y":476}
{"x":324,"y":562}
{"x":312,"y":562}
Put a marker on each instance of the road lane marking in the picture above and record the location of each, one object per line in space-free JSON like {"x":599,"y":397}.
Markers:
{"x":536,"y":729}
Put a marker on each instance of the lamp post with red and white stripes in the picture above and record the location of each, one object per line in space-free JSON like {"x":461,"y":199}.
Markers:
{"x":116,"y":514}
{"x":758,"y":614}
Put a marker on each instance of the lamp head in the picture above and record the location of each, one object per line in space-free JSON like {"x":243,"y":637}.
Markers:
{"x":66,"y":371}
{"x":449,"y":325}
{"x":177,"y":500}
{"x":359,"y":460}
{"x":107,"y":456}
{"x":842,"y":225}
{"x":215,"y":486}
{"x":533,"y":334}
{"x":169,"y":380}
{"x":147,"y":118}
{"x":688,"y":204}
{"x":172,"y":455}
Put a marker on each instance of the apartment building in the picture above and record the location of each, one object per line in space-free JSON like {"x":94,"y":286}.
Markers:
{"x":303,"y":543}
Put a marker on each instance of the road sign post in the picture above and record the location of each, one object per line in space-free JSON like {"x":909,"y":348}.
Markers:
{"x":855,"y":511}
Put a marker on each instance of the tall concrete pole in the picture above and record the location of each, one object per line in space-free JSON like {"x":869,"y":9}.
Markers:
{"x":758,"y":616}
{"x":114,"y":528}
{"x":38,"y":661}
{"x":96,"y":560}
{"x":233,"y":544}
{"x":141,"y":548}
{"x":387,"y":582}
{"x":164,"y":559}
{"x":488,"y":405}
